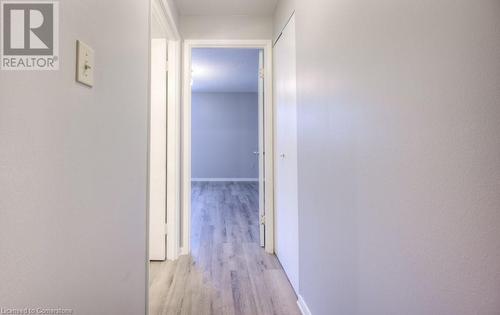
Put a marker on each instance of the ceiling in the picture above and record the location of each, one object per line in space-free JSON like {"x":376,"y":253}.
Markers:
{"x":225,"y":70}
{"x":226,"y":7}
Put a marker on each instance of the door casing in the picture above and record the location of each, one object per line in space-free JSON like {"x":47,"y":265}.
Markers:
{"x":162,"y":16}
{"x":158,"y":150}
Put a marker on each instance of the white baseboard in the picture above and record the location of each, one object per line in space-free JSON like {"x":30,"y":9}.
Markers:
{"x":303,"y":306}
{"x":224,"y":179}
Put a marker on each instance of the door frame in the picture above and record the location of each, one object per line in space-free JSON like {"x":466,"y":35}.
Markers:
{"x":266,"y":46}
{"x":158,"y":147}
{"x":162,"y":14}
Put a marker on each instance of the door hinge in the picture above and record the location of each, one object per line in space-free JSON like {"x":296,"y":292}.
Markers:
{"x":261,"y":73}
{"x":263,"y":219}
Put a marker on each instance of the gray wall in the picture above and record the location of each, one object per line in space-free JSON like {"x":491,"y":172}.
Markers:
{"x":282,"y":13}
{"x":399,"y":156}
{"x":73,"y":169}
{"x":174,"y":11}
{"x":226,"y":27}
{"x":224,"y":135}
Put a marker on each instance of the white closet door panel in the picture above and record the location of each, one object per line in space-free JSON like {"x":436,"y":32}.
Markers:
{"x":286,"y":194}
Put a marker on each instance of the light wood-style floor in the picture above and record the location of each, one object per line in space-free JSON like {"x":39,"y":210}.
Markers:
{"x":228,"y":272}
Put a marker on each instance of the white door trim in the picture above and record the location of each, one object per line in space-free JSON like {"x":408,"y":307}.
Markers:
{"x":158,"y":151}
{"x":173,"y":150}
{"x":242,"y":179}
{"x":304,"y":309}
{"x":266,"y":45}
{"x":261,"y":179}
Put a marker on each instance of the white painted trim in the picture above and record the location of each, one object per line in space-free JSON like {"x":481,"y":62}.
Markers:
{"x":162,"y":13}
{"x":261,"y":95}
{"x":266,"y":45}
{"x":269,"y":146}
{"x":158,"y":151}
{"x":186,"y":151}
{"x":173,"y":149}
{"x":224,"y":179}
{"x":148,"y":124}
{"x":304,"y":309}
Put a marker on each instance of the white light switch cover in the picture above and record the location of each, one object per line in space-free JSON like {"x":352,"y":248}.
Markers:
{"x":84,"y":63}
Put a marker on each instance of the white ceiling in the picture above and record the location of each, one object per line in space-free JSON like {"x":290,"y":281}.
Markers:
{"x":225,"y":70}
{"x":226,"y":7}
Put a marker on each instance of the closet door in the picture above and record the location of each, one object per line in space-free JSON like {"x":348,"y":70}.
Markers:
{"x":286,"y":200}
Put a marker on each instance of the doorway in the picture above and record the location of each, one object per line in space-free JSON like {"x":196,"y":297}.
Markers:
{"x":226,"y":121}
{"x":260,"y":158}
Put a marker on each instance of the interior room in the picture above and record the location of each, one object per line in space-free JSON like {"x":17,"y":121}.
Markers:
{"x":224,"y":146}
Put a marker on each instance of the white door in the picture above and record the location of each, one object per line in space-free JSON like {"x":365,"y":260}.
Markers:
{"x":158,"y":150}
{"x":286,"y":200}
{"x":261,"y":148}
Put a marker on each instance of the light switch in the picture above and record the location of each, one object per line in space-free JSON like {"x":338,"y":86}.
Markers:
{"x":84,"y":63}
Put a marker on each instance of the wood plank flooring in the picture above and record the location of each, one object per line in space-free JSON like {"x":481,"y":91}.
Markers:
{"x":227,"y":271}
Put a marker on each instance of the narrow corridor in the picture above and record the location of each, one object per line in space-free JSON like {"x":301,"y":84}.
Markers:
{"x":228,"y":272}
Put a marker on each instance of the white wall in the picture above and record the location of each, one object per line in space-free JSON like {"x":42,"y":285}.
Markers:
{"x":399,"y":156}
{"x":73,"y":169}
{"x":226,"y":27}
{"x":225,"y":133}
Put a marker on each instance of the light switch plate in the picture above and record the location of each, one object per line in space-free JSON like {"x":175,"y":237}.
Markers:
{"x":84,"y":63}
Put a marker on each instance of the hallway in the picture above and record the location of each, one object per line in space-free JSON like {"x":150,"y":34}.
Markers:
{"x":134,"y":132}
{"x":228,"y":272}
